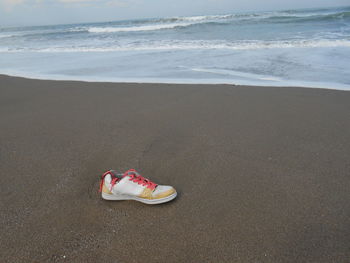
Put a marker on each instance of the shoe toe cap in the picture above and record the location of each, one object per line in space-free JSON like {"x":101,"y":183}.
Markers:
{"x":163,"y":191}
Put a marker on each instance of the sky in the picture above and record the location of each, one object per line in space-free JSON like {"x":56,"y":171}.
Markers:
{"x":46,"y":12}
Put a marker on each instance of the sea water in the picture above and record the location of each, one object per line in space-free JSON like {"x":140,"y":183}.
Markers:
{"x":309,"y":47}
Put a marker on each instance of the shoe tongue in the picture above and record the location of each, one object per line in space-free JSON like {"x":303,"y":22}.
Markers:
{"x":116,"y":174}
{"x":133,"y":172}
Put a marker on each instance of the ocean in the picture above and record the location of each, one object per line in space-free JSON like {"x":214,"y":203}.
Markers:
{"x":309,"y":47}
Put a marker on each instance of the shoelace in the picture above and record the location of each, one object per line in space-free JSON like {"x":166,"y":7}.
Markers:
{"x":137,"y":178}
{"x":134,"y":176}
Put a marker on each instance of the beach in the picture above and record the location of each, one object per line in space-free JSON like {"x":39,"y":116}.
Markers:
{"x":262,"y":173}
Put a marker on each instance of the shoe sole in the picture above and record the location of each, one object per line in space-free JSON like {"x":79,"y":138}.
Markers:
{"x":111,"y":197}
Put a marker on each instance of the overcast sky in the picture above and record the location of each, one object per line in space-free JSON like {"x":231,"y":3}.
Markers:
{"x":40,"y":12}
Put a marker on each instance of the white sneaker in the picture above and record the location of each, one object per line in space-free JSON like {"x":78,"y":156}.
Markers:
{"x":132,"y":186}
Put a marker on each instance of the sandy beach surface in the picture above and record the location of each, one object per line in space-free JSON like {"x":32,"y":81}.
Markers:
{"x":263,"y":173}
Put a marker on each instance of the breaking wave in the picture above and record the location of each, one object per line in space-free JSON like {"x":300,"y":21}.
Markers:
{"x":136,"y":28}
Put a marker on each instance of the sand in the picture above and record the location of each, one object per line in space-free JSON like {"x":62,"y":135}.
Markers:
{"x":263,"y":173}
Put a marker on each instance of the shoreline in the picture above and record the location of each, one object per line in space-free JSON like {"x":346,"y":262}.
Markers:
{"x":294,"y":84}
{"x":262,"y":173}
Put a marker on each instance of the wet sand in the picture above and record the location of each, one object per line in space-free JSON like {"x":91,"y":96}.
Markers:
{"x":263,"y":173}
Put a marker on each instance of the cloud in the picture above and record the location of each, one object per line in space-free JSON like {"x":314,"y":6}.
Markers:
{"x":120,"y":3}
{"x":13,"y":2}
{"x":76,"y":1}
{"x":10,"y":4}
{"x":117,"y":3}
{"x":97,"y":3}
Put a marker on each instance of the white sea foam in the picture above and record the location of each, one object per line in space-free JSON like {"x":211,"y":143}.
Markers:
{"x":194,"y":44}
{"x":238,"y":74}
{"x":200,"y":18}
{"x":137,"y":28}
{"x":8,"y":35}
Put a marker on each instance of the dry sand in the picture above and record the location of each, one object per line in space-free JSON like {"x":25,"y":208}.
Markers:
{"x":263,"y":173}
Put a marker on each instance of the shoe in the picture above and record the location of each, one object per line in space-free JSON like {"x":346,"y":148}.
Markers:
{"x":132,"y":186}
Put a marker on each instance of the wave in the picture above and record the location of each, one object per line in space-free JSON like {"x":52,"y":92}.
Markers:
{"x":160,"y":24}
{"x":5,"y":36}
{"x":194,"y":45}
{"x":253,"y":16}
{"x":182,"y":22}
{"x":193,"y":18}
{"x":340,"y":15}
{"x":300,"y":18}
{"x":42,"y":33}
{"x":136,"y":28}
{"x":313,"y":14}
